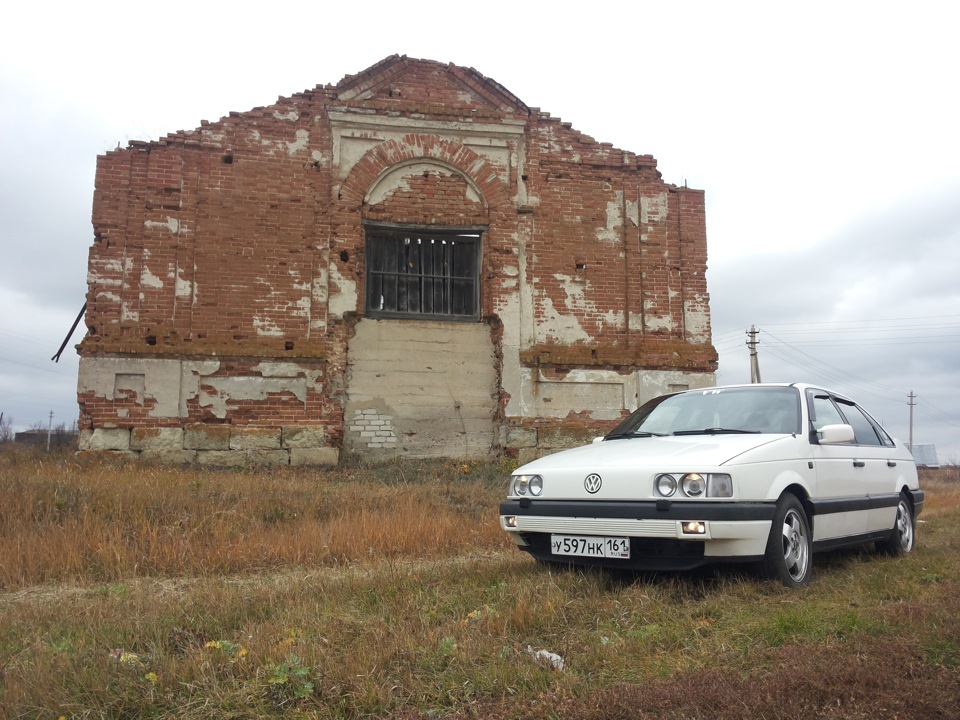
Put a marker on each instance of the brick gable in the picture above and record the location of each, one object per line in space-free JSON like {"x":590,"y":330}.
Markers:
{"x":227,"y":277}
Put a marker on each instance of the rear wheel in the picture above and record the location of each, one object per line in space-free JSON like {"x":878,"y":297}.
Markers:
{"x":901,"y":538}
{"x":789,"y":550}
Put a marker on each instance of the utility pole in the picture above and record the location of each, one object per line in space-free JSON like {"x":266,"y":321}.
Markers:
{"x":754,"y":362}
{"x":911,"y":401}
{"x":49,"y":430}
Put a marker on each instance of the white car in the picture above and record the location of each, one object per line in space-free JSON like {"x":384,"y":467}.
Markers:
{"x":765,"y":473}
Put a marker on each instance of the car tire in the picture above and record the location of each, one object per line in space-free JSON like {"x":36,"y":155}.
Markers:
{"x":789,"y":553}
{"x":903,"y":535}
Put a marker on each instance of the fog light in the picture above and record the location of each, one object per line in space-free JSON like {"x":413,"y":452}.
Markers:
{"x":510,"y":521}
{"x":694,"y":527}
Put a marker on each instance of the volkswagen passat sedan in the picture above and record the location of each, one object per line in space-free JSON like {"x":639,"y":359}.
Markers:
{"x":764,"y":473}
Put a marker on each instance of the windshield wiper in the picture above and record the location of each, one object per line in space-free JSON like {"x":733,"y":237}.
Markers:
{"x":642,"y":433}
{"x":717,"y":431}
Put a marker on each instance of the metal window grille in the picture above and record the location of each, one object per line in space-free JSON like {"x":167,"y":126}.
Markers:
{"x":427,"y":275}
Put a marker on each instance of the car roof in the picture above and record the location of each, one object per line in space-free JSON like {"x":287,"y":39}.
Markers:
{"x":801,"y":386}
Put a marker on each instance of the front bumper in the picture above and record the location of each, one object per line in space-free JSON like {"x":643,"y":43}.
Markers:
{"x":734,"y":531}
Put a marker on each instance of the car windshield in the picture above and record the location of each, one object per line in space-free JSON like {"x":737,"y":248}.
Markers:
{"x":715,"y":411}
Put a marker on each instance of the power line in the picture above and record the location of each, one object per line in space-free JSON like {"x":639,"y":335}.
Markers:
{"x":36,"y":367}
{"x":819,"y":365}
{"x":922,"y":325}
{"x":861,"y":321}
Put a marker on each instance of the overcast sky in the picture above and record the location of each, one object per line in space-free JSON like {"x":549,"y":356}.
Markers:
{"x":826,"y":136}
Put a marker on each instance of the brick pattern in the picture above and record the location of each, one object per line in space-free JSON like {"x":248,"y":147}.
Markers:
{"x":375,"y":429}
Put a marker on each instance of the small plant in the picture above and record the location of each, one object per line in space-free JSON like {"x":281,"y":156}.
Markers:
{"x":290,"y":681}
{"x":224,"y":648}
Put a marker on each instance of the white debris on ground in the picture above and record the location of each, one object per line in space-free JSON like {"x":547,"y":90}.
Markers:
{"x":547,"y":657}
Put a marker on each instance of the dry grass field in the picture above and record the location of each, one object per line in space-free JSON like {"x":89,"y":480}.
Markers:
{"x":136,"y":591}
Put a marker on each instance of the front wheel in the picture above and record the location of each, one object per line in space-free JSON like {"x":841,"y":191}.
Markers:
{"x":901,"y":538}
{"x":789,"y":549}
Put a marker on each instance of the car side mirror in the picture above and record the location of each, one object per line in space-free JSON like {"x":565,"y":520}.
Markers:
{"x":836,"y":434}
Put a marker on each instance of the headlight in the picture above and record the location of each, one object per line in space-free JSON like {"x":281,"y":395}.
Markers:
{"x":520,"y":483}
{"x":666,"y":485}
{"x":694,"y":485}
{"x":523,"y":484}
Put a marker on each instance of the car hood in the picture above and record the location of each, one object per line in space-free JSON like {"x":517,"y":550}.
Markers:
{"x":664,"y":453}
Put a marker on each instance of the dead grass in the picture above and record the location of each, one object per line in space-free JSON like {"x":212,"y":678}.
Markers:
{"x":311,"y":593}
{"x":87,"y":521}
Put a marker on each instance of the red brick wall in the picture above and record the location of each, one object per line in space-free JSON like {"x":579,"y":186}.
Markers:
{"x":239,"y":241}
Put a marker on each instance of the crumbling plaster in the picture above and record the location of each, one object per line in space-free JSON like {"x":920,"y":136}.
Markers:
{"x":395,"y":178}
{"x":169,"y":384}
{"x":355,"y":134}
{"x":581,"y":250}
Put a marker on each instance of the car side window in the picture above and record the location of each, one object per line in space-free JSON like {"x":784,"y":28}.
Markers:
{"x":863,"y":429}
{"x":823,"y":411}
{"x":884,"y":436}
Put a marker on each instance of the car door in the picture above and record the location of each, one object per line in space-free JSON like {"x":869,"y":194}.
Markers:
{"x":841,"y":503}
{"x":876,"y":458}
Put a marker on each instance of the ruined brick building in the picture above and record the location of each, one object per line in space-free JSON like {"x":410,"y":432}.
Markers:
{"x":409,"y":262}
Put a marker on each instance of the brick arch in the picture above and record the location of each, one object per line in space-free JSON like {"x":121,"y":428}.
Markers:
{"x":399,"y":168}
{"x":378,"y":162}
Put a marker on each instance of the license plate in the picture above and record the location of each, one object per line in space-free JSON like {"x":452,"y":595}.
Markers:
{"x":590,"y":546}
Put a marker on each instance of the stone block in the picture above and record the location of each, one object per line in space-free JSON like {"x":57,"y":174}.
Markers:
{"x":102,"y":439}
{"x":567,"y":437}
{"x":169,"y":457}
{"x":255,"y":438}
{"x":157,"y":440}
{"x":304,"y":437}
{"x":206,"y":437}
{"x":526,"y":455}
{"x":518,"y":437}
{"x":100,"y":454}
{"x":222,"y":458}
{"x":314,"y":456}
{"x":262,"y":458}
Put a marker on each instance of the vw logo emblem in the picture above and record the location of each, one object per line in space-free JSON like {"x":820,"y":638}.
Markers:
{"x":592,"y":483}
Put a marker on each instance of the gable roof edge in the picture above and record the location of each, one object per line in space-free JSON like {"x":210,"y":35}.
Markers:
{"x":490,"y":89}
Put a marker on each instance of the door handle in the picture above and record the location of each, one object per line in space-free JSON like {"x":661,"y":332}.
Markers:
{"x":859,"y":463}
{"x":891,"y":463}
